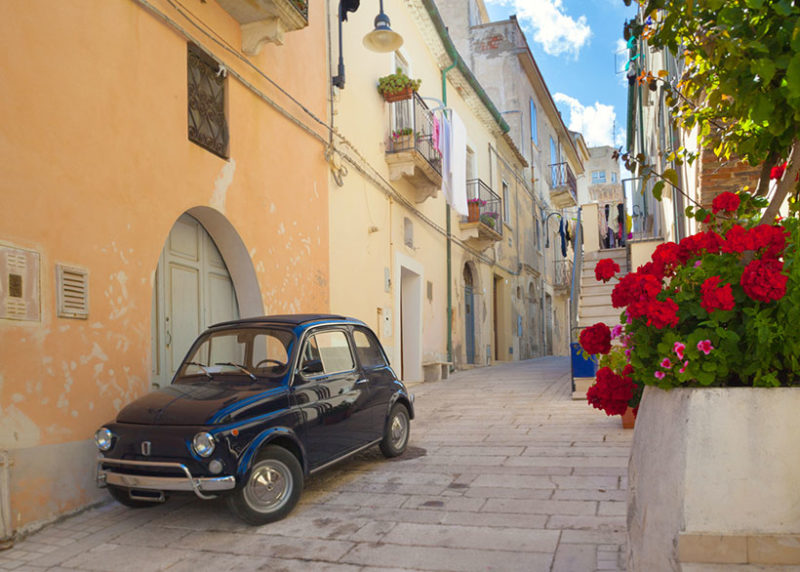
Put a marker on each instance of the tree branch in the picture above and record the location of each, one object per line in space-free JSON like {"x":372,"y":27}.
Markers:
{"x":786,"y":183}
{"x":766,"y":167}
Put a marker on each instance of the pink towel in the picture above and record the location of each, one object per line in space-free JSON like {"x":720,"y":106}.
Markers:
{"x":436,"y":134}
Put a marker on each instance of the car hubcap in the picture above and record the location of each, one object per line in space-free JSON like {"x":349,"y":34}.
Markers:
{"x":398,"y":431}
{"x":269,"y":487}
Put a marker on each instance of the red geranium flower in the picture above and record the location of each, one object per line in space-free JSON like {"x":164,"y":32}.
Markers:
{"x":726,"y":201}
{"x":737,"y":240}
{"x":762,"y":280}
{"x":596,"y":339}
{"x":666,"y":258}
{"x":777,"y":171}
{"x":611,"y":392}
{"x":635,"y":286}
{"x":770,"y":238}
{"x":605,"y":269}
{"x":716,"y":297}
{"x":662,"y":314}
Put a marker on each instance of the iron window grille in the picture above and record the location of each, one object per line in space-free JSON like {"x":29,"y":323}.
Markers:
{"x":208,"y":126}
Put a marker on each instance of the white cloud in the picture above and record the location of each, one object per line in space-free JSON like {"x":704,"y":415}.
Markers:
{"x":596,"y":122}
{"x":557,"y":32}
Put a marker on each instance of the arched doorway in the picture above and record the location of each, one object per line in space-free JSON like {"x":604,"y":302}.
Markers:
{"x":193,"y":287}
{"x":469,"y":313}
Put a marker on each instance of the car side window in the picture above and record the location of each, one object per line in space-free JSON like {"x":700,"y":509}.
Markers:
{"x":331,"y":350}
{"x":368,"y":349}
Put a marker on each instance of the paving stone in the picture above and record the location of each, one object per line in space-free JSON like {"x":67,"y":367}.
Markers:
{"x":574,"y":557}
{"x":511,"y":539}
{"x":447,"y":559}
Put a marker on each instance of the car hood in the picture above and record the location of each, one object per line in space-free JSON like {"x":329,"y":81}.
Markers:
{"x":205,"y":402}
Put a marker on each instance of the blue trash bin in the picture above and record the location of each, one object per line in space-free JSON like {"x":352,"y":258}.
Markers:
{"x":582,"y":367}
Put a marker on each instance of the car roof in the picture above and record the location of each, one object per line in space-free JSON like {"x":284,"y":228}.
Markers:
{"x":288,"y":319}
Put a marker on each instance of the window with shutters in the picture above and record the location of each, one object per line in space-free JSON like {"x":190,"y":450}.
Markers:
{"x":73,"y":292}
{"x":208,"y":126}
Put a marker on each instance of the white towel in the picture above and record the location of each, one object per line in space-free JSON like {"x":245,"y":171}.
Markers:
{"x":458,"y":166}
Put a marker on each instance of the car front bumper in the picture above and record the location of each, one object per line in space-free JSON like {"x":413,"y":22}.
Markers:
{"x":199,"y":485}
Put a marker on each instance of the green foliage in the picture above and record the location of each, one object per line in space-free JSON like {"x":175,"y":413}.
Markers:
{"x":397,"y":82}
{"x":741,"y":80}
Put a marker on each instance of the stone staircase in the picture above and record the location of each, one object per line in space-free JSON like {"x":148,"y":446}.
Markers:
{"x":595,"y":301}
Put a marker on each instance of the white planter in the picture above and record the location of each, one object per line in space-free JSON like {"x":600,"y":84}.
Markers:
{"x":714,"y":477}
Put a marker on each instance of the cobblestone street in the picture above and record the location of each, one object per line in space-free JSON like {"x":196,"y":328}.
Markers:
{"x":504,"y":472}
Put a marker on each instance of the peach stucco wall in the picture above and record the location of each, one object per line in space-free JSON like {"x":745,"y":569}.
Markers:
{"x":97,"y":167}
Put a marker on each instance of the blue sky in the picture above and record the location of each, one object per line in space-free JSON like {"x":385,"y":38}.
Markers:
{"x":574,"y":43}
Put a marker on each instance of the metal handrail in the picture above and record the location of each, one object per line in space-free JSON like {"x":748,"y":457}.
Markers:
{"x":561,"y":175}
{"x":490,"y":205}
{"x":414,"y":130}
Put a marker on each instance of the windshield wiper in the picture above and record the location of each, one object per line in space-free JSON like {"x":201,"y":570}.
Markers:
{"x":239,"y":367}
{"x":203,"y":367}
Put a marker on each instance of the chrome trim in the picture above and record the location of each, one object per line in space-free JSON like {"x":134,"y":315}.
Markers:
{"x":158,"y":483}
{"x":342,"y":458}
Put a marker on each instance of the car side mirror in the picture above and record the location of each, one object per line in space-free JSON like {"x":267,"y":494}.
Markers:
{"x":312,"y":367}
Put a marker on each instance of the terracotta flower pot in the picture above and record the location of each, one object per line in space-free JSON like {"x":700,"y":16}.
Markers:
{"x":474,"y":212}
{"x":628,"y":418}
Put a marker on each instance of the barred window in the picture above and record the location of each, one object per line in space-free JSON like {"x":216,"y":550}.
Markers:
{"x":208,"y":126}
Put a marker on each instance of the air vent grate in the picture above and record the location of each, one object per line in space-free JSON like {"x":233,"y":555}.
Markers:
{"x":73,"y":292}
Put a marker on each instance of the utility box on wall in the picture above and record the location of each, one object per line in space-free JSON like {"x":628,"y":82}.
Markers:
{"x":19,"y":284}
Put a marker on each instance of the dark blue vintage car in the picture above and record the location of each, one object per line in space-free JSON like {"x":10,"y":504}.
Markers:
{"x":257,"y":405}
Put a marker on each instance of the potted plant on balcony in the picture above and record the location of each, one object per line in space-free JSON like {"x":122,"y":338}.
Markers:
{"x":489,"y":219}
{"x":397,"y":86}
{"x":402,"y":139}
{"x":474,"y":209}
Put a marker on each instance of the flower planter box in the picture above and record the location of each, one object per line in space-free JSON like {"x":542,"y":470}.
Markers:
{"x":399,"y":95}
{"x":713,"y":478}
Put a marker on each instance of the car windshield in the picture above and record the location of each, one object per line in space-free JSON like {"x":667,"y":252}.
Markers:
{"x":252,"y":352}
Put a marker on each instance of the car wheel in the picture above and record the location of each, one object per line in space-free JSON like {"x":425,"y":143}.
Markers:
{"x":396,"y":433}
{"x":272,"y":488}
{"x":122,"y":496}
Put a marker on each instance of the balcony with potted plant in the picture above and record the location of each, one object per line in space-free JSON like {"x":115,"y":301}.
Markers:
{"x":483,"y":225}
{"x":412,"y":149}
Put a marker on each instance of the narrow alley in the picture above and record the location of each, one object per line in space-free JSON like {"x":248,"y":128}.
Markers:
{"x":504,"y":472}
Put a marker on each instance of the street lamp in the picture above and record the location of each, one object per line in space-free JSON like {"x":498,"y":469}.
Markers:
{"x":381,"y":39}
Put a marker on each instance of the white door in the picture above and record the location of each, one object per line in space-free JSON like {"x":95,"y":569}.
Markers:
{"x":192,"y":291}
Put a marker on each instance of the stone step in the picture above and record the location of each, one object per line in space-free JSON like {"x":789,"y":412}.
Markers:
{"x":589,"y":301}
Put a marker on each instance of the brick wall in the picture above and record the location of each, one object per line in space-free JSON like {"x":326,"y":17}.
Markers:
{"x":718,"y":175}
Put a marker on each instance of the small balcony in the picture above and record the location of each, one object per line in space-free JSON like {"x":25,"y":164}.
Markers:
{"x":266,"y":20}
{"x":563,"y":186}
{"x":483,"y":225}
{"x":562,"y":275}
{"x":412,"y":151}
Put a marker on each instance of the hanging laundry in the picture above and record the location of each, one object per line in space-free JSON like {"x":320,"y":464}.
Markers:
{"x":563,"y":238}
{"x":435,"y":135}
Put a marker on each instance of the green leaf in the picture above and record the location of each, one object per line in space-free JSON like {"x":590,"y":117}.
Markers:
{"x":672,"y":176}
{"x":793,"y":76}
{"x":765,"y":69}
{"x":657,"y":190}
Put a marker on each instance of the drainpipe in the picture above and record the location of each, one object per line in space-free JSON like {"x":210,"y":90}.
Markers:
{"x":449,"y":244}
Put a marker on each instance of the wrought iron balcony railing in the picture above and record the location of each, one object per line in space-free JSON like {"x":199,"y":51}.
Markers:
{"x":485,"y":206}
{"x":414,"y":131}
{"x":563,"y":185}
{"x":562,"y":275}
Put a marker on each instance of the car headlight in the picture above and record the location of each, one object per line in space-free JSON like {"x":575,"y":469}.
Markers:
{"x":203,"y":444}
{"x":103,"y":438}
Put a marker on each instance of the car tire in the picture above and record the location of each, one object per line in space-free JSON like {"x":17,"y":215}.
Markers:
{"x":396,"y":432}
{"x":122,"y":496}
{"x":271,"y":488}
